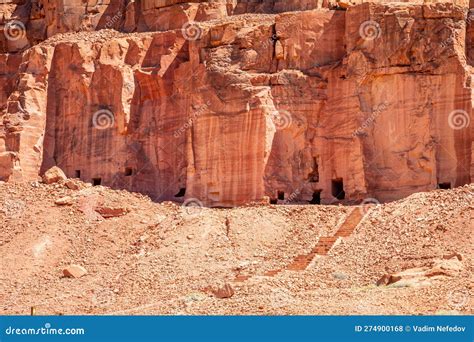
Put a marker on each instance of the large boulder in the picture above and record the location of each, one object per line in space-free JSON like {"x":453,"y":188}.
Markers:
{"x":54,"y":175}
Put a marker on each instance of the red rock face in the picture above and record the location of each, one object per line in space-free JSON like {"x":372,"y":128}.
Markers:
{"x":317,"y":105}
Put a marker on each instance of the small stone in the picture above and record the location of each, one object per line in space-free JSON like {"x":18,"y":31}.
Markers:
{"x":454,"y":255}
{"x":71,"y":184}
{"x":74,"y":271}
{"x":68,"y":200}
{"x":225,"y":291}
{"x":340,"y":276}
{"x":195,"y":297}
{"x":108,"y":212}
{"x":190,"y":237}
{"x":388,"y":279}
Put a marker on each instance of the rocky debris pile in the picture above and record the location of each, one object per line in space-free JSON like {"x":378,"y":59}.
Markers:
{"x":407,"y":232}
{"x":89,"y":200}
{"x":449,"y":266}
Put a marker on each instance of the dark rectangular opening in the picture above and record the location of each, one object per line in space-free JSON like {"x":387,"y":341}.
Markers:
{"x":77,"y":174}
{"x":128,"y":171}
{"x":338,"y":188}
{"x":181,"y":192}
{"x":96,"y":181}
{"x":281,"y":195}
{"x":444,"y":186}
{"x":316,"y":197}
{"x":273,"y":201}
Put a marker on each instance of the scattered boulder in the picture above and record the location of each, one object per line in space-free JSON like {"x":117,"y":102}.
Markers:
{"x":72,"y":184}
{"x":54,"y":175}
{"x":74,"y":271}
{"x":423,"y":276}
{"x":340,"y":276}
{"x":446,"y":267}
{"x":222,"y":292}
{"x":453,"y":255}
{"x":68,"y":200}
{"x":388,"y":279}
{"x":108,"y":212}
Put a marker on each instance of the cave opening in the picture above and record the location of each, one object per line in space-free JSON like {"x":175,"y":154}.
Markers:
{"x":281,"y":195}
{"x":181,"y":192}
{"x":444,"y":186}
{"x":77,"y":174}
{"x":273,"y":201}
{"x":337,"y":187}
{"x":128,"y":171}
{"x":96,"y":181}
{"x":316,"y":197}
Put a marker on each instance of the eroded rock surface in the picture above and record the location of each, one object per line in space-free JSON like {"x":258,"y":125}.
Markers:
{"x":202,"y":100}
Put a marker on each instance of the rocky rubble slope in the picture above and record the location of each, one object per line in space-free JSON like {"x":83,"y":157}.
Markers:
{"x":167,"y":259}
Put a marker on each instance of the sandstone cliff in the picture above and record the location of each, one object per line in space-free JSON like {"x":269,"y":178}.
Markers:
{"x":229,"y":101}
